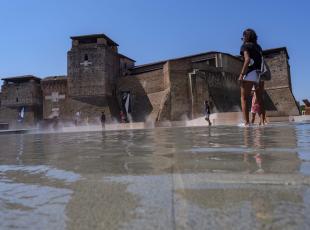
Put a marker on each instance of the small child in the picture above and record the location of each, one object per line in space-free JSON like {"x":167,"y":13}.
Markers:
{"x":255,"y":109}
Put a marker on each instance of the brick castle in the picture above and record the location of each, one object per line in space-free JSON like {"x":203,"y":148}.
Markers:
{"x":101,"y":79}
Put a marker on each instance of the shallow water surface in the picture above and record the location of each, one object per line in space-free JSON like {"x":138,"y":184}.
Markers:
{"x":164,"y":178}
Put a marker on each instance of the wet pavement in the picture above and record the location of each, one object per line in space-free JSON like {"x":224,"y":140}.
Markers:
{"x":221,"y":177}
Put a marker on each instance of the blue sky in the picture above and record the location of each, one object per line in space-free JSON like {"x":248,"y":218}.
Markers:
{"x":35,"y":34}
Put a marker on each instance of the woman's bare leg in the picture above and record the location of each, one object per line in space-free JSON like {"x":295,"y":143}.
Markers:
{"x":261,"y":121}
{"x":246,"y":88}
{"x":253,"y":118}
{"x":260,"y":96}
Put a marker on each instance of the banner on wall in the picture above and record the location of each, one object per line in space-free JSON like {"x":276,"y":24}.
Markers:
{"x":126,"y":102}
{"x":21,"y":114}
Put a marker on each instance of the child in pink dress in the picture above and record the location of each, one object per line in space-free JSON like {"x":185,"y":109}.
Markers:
{"x":255,"y":109}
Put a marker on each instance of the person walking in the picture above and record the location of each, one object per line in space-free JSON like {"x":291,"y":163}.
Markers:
{"x":207,"y":112}
{"x":77,"y":118}
{"x":251,"y":52}
{"x":102,"y":119}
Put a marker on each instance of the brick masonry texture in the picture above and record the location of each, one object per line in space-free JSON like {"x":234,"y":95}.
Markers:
{"x":172,"y":89}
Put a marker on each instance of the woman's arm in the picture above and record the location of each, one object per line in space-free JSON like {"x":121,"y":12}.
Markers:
{"x":246,"y":62}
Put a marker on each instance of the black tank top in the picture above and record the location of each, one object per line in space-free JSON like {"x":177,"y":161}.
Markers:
{"x":255,"y":54}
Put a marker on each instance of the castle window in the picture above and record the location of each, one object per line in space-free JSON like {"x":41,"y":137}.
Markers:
{"x":85,"y":57}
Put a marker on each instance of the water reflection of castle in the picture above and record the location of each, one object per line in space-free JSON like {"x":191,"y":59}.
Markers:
{"x":95,"y":178}
{"x":99,"y":78}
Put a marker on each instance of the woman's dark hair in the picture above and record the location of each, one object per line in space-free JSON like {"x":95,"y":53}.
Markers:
{"x":249,"y":35}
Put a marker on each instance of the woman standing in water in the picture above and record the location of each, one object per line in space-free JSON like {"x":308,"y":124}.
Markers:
{"x":252,"y":55}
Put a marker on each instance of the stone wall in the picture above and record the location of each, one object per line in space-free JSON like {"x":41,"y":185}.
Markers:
{"x":179,"y":90}
{"x":10,"y":115}
{"x":218,"y":84}
{"x":173,"y":89}
{"x":21,"y":94}
{"x":231,"y":64}
{"x":112,"y":71}
{"x":125,"y":64}
{"x":57,"y":103}
{"x":93,"y":70}
{"x":150,"y":82}
{"x":146,"y":91}
{"x":224,"y":91}
{"x":161,"y":91}
{"x":15,"y":96}
{"x":280,"y":99}
{"x":283,"y":101}
{"x":164,"y":110}
{"x":220,"y":88}
{"x":90,"y":110}
{"x":279,"y":67}
{"x":55,"y":97}
{"x":96,"y":75}
{"x":199,"y":93}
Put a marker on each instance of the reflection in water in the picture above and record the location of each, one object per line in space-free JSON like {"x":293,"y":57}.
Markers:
{"x":244,"y":207}
{"x":33,"y":197}
{"x":183,"y":178}
{"x":100,"y":204}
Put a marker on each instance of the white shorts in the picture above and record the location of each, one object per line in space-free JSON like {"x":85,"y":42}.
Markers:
{"x":252,"y":76}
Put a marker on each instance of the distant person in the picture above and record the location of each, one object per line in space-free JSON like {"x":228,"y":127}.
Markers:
{"x":252,"y":55}
{"x":207,"y":112}
{"x":21,"y":115}
{"x":77,"y":118}
{"x":102,"y":119}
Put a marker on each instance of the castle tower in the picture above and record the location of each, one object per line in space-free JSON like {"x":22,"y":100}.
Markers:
{"x":279,"y":99}
{"x":93,"y":68}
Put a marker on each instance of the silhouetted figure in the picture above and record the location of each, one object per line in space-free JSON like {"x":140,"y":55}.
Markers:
{"x":207,"y":112}
{"x":102,"y":119}
{"x":77,"y":118}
